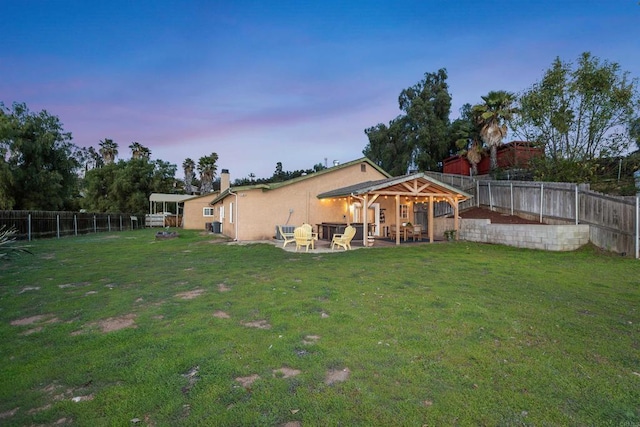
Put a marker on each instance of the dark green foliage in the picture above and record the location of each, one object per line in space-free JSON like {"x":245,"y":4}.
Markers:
{"x":125,"y":186}
{"x":40,"y":168}
{"x":579,"y":113}
{"x":418,"y":138}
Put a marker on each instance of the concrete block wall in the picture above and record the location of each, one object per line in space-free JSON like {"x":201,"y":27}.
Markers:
{"x":532,"y":236}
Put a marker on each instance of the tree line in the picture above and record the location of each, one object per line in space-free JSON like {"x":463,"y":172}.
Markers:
{"x":41,"y":169}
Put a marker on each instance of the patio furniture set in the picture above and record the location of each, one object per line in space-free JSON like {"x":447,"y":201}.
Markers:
{"x":304,"y":236}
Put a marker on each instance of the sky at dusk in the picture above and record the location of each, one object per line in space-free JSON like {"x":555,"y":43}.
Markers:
{"x":297,"y":82}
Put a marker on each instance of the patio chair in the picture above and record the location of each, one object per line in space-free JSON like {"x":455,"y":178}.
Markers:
{"x":314,"y":236}
{"x":416,"y":232}
{"x":392,"y":232}
{"x":344,"y":239}
{"x":303,"y":237}
{"x":288,"y":237}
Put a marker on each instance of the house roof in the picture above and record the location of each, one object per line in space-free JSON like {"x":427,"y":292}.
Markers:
{"x":173,"y":198}
{"x":416,"y":184}
{"x":274,"y":185}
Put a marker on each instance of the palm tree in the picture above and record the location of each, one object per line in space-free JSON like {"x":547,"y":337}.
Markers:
{"x":492,"y":116}
{"x":139,"y":151}
{"x":188,"y":166}
{"x":108,"y":150}
{"x":465,"y":131}
{"x":207,"y":168}
{"x":145,"y":153}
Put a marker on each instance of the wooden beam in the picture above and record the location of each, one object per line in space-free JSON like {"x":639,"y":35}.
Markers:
{"x":456,"y":221}
{"x":398,"y":220}
{"x":365,"y":225}
{"x":430,"y":220}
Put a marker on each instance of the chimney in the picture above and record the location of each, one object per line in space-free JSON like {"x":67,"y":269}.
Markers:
{"x":225,"y":180}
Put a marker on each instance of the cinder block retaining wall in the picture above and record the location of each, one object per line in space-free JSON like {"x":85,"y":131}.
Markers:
{"x":532,"y":236}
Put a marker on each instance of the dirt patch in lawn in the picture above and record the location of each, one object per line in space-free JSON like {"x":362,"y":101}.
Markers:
{"x":223,"y":288}
{"x":221,"y":314}
{"x":190,"y":294}
{"x":246,"y":382}
{"x":260,"y":324}
{"x":29,"y":320}
{"x":336,"y":376}
{"x":310,"y":339}
{"x":117,"y":323}
{"x":285,"y":372}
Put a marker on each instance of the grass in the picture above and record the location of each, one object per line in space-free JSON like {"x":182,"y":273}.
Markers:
{"x":444,"y":334}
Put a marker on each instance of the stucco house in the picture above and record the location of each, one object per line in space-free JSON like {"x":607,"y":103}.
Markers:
{"x":330,"y":199}
{"x":198,"y":212}
{"x":252,"y":212}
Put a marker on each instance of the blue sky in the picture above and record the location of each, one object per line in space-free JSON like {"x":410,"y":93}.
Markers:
{"x":297,"y":82}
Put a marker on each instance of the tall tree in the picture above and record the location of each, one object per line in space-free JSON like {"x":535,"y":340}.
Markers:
{"x":279,"y":174}
{"x":417,"y":138}
{"x":634,"y":131}
{"x":207,"y":168}
{"x":189,"y":167}
{"x":40,"y":158}
{"x":427,"y":106}
{"x":89,"y":158}
{"x":6,"y":178}
{"x":493,"y":116}
{"x":579,"y":113}
{"x":139,"y":151}
{"x":108,"y":150}
{"x":389,"y":147}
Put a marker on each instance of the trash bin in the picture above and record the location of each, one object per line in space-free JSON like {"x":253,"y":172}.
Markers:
{"x":208,"y":226}
{"x":217,"y":227}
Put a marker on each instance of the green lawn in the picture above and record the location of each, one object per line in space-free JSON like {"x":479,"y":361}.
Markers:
{"x":442,"y":334}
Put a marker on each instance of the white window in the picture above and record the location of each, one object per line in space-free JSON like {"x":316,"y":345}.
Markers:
{"x":221,"y":212}
{"x":207,"y":211}
{"x":231,"y":213}
{"x":404,"y":211}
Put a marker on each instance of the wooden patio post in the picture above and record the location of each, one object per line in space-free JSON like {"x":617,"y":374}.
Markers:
{"x":397,"y":219}
{"x":430,"y":222}
{"x":456,"y":221}
{"x":365,"y":225}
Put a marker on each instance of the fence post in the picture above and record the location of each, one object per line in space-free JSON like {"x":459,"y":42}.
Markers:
{"x":120,"y":222}
{"x":541,"y":200}
{"x":511,"y":189}
{"x":477,"y":193}
{"x":490,"y":198}
{"x":577,"y":203}
{"x":58,"y":225}
{"x":95,"y":225}
{"x":75,"y":224}
{"x":637,"y":227}
{"x":109,"y":222}
{"x":29,"y":227}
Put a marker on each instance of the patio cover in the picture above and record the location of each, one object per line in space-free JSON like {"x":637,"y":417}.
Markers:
{"x":164,"y":198}
{"x":416,"y":185}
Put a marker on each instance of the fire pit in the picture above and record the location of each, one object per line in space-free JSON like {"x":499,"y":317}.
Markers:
{"x":163,"y":235}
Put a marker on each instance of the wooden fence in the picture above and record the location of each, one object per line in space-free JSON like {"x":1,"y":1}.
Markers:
{"x":613,"y":220}
{"x":43,"y":224}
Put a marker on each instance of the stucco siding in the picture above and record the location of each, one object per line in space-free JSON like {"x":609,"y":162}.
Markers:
{"x":193,"y":217}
